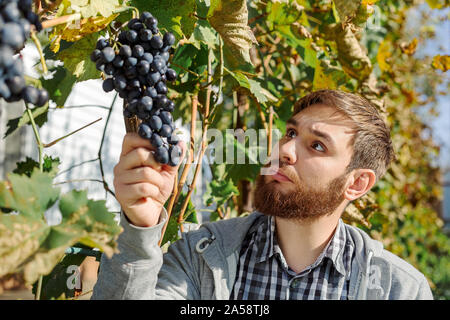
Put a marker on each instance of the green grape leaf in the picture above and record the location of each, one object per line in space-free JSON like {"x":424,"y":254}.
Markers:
{"x":77,"y":60}
{"x":31,"y":246}
{"x":98,"y":7}
{"x":203,"y":32}
{"x":39,"y":116}
{"x":26,"y":167}
{"x":219,"y":191}
{"x":60,"y":86}
{"x":31,"y":196}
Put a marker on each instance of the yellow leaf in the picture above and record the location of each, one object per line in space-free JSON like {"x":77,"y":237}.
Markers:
{"x":76,"y":30}
{"x":384,"y":52}
{"x":321,"y":80}
{"x":441,"y":62}
{"x":368,"y":2}
{"x":409,"y":48}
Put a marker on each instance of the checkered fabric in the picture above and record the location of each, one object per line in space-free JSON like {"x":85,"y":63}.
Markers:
{"x":263,"y":274}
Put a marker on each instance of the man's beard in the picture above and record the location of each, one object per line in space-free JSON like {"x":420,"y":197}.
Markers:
{"x":302,"y":204}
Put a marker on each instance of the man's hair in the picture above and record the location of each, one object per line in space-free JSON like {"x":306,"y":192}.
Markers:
{"x":372,"y":145}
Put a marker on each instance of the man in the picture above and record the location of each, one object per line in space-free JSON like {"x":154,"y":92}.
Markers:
{"x":295,"y":246}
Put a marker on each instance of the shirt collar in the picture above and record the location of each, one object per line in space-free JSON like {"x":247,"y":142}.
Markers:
{"x":339,"y":249}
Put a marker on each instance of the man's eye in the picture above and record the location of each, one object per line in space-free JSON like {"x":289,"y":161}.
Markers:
{"x":290,"y":133}
{"x":317,"y":146}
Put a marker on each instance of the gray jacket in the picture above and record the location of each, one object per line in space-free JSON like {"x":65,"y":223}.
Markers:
{"x":202,"y":265}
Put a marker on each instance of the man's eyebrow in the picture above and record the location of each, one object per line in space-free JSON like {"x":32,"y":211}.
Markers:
{"x":316,"y":132}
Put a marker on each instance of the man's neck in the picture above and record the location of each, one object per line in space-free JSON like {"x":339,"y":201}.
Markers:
{"x":302,"y":242}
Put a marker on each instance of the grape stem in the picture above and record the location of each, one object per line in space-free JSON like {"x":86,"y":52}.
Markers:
{"x":41,"y":168}
{"x":105,"y":184}
{"x":47,"y":145}
{"x":37,"y":136}
{"x":60,"y":20}
{"x":37,"y":43}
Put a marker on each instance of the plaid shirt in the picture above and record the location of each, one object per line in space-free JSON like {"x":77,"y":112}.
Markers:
{"x":262,"y":272}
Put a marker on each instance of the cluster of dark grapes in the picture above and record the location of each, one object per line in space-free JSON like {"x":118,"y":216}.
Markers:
{"x":138,"y":69}
{"x":16,"y":20}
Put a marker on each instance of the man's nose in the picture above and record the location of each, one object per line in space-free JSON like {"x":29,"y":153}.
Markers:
{"x":287,"y":152}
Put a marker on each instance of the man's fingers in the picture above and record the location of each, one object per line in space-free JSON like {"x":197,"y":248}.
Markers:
{"x":134,"y":192}
{"x":142,"y":174}
{"x":139,"y":157}
{"x":131,"y":141}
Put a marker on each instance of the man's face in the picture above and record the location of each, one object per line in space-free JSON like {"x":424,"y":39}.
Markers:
{"x":308,"y":180}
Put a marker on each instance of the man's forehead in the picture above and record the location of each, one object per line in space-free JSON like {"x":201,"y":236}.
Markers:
{"x":325,"y":122}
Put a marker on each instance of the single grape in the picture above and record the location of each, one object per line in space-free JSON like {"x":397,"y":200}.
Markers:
{"x":16,"y":84}
{"x":120,"y":82}
{"x":95,"y":55}
{"x":171,"y":74}
{"x":143,"y":67}
{"x":6,"y":56}
{"x":43,"y":97}
{"x":10,"y":11}
{"x":132,"y":36}
{"x":157,"y":65}
{"x":145,"y":34}
{"x":168,"y":39}
{"x":30,"y":94}
{"x":146,"y":103}
{"x":145,"y":15}
{"x":148,"y":57}
{"x":151,"y":22}
{"x":151,"y":92}
{"x":165,"y":130}
{"x":131,"y":62}
{"x":156,"y":42}
{"x":162,"y":155}
{"x":108,"y":54}
{"x":137,"y":26}
{"x":169,"y":106}
{"x":175,"y":155}
{"x":144,"y":131}
{"x":125,"y":51}
{"x":102,"y":43}
{"x":12,"y":35}
{"x":156,"y":140}
{"x":152,"y":78}
{"x":155,"y":123}
{"x":109,"y":69}
{"x":118,"y":62}
{"x":108,"y":85}
{"x":138,"y":51}
{"x":166,"y":117}
{"x":161,"y":87}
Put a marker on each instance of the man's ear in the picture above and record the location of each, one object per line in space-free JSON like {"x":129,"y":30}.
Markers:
{"x":361,"y":181}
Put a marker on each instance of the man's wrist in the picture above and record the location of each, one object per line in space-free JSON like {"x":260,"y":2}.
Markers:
{"x":136,"y":225}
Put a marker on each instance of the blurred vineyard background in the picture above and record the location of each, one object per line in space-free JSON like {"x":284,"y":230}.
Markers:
{"x":243,"y":64}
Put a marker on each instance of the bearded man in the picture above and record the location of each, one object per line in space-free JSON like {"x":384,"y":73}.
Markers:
{"x":294,"y":246}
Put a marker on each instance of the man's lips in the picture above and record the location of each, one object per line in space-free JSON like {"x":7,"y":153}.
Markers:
{"x":277,"y":175}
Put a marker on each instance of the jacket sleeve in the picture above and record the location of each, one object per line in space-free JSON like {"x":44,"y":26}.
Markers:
{"x":132,"y":273}
{"x":424,"y":292}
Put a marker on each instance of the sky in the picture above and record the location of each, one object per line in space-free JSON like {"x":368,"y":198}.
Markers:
{"x":440,"y":44}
